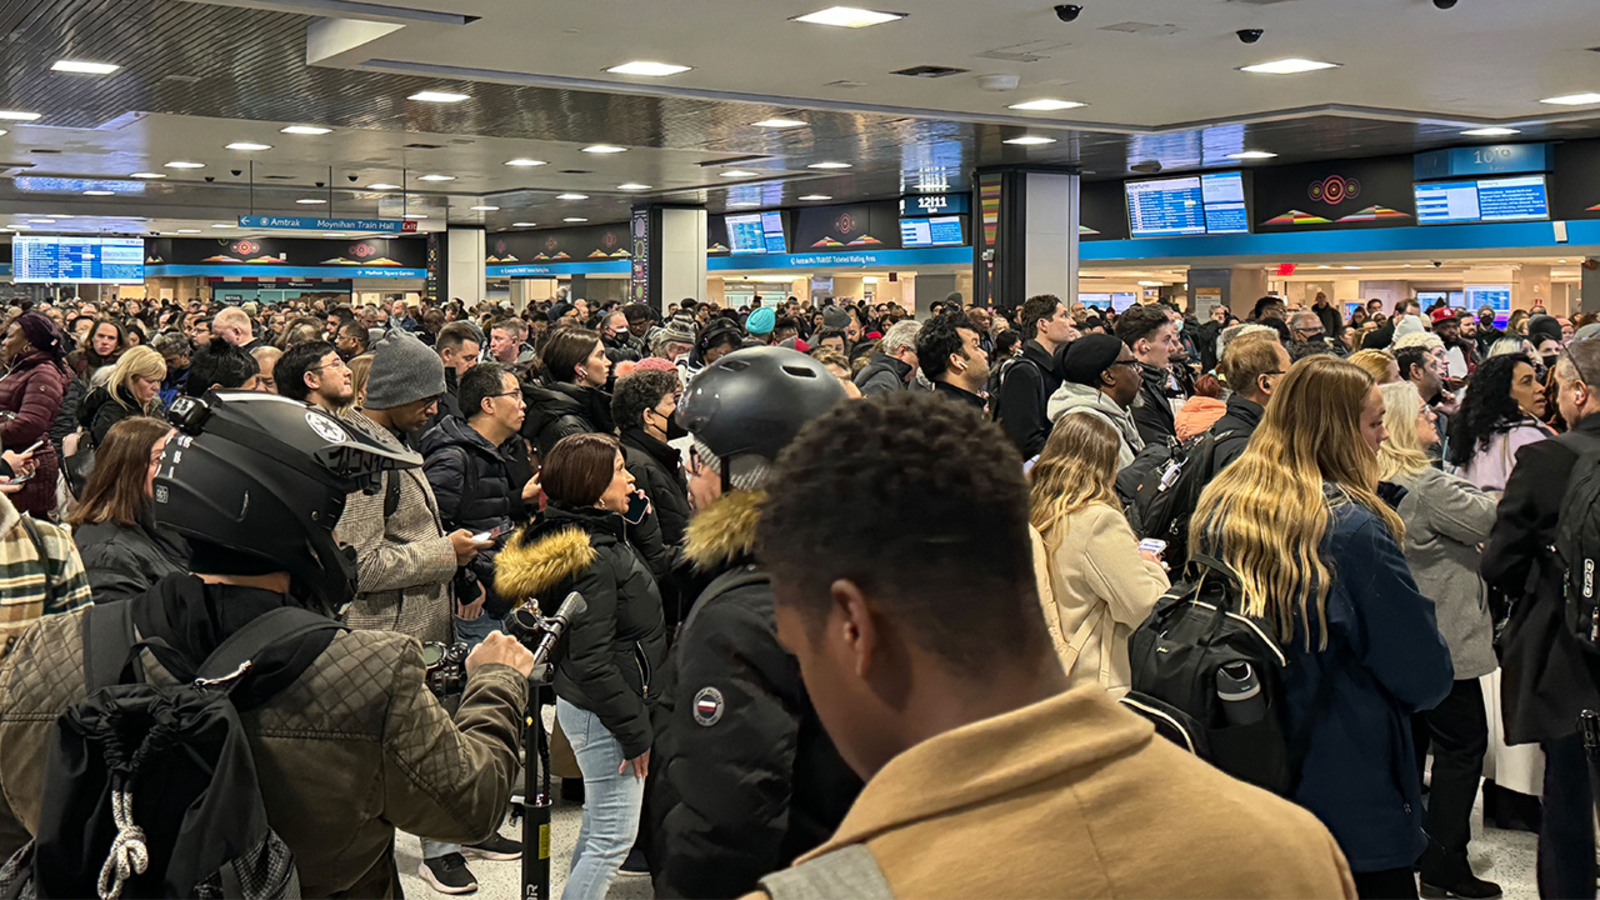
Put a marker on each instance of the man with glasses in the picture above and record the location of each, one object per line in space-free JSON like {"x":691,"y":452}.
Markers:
{"x":315,"y":373}
{"x":1103,"y":378}
{"x":1548,"y":678}
{"x":1254,"y":366}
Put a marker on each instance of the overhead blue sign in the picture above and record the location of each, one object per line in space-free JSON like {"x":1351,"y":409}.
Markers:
{"x":853,"y":259}
{"x":266,"y":271}
{"x":1494,"y":159}
{"x":315,"y":223}
{"x":918,"y":205}
{"x":545,"y":270}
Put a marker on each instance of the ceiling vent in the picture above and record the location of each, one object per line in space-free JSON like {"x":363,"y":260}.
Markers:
{"x":576,"y":172}
{"x":845,"y":84}
{"x":278,"y":177}
{"x":422,"y":147}
{"x":44,"y":150}
{"x":930,"y":71}
{"x":1144,"y":28}
{"x":730,"y":160}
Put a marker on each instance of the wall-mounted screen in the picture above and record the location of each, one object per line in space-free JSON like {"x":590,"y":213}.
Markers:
{"x":1223,"y":195}
{"x":1122,"y":301}
{"x":1519,"y":199}
{"x":756,"y":233}
{"x":79,"y":260}
{"x":940,"y":231}
{"x":1190,"y":205}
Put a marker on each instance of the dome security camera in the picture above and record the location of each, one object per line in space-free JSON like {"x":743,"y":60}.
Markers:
{"x":1249,"y":35}
{"x":1445,"y":4}
{"x":322,"y":184}
{"x":236,"y":172}
{"x":210,"y":179}
{"x":352,"y":177}
{"x":1068,"y":12}
{"x":1437,"y":264}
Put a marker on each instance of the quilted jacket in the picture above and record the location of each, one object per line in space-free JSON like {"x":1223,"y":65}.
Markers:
{"x":353,"y":749}
{"x":32,"y":389}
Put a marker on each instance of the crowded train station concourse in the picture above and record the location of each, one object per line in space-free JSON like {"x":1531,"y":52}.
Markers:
{"x":787,"y":451}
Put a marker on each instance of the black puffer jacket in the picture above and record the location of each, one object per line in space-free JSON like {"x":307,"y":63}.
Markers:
{"x":744,"y":779}
{"x":1233,"y":430}
{"x":658,"y":469}
{"x":124,"y":561}
{"x":558,"y":409}
{"x":100,"y":411}
{"x":469,"y":479}
{"x":1153,"y":414}
{"x":612,"y":651}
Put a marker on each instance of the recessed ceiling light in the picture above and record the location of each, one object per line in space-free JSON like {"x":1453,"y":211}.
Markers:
{"x":1288,"y":66}
{"x":23,"y":227}
{"x":188,"y":231}
{"x":1490,"y":132}
{"x":220,"y":225}
{"x":305,"y":129}
{"x":437,"y":178}
{"x":829,"y":165}
{"x":380,"y":186}
{"x":1561,"y":262}
{"x":633,"y":186}
{"x":83,"y":68}
{"x":438,"y":97}
{"x":248,"y":145}
{"x":746,"y":204}
{"x":485,"y":208}
{"x":605,"y":148}
{"x":1353,"y":268}
{"x":3,"y":131}
{"x":310,"y":201}
{"x":98,"y":193}
{"x":1046,"y":105}
{"x":574,"y":219}
{"x":1253,"y":154}
{"x":779,"y":123}
{"x":13,"y":115}
{"x":1573,"y":99}
{"x":816,"y":197}
{"x":648,"y":69}
{"x":185,"y":164}
{"x":848,"y":17}
{"x":147,"y":175}
{"x":413,"y":216}
{"x":739,"y":173}
{"x":572,"y":196}
{"x":525,"y":162}
{"x":523,"y":224}
{"x":1030,"y":140}
{"x":333,"y":234}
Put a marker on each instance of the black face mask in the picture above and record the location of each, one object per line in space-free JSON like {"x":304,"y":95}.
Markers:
{"x":674,"y":430}
{"x":1549,"y":361}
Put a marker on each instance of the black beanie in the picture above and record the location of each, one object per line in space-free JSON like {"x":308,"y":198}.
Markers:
{"x":1544,"y":328}
{"x":1089,"y":356}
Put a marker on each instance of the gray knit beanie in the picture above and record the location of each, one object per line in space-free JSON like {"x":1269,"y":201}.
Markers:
{"x":404,"y":370}
{"x":749,"y":472}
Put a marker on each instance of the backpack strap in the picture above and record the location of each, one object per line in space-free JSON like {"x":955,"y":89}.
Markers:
{"x":391,"y":494}
{"x":286,"y":623}
{"x":32,"y":528}
{"x":1081,"y":637}
{"x":850,"y":871}
{"x":109,"y":637}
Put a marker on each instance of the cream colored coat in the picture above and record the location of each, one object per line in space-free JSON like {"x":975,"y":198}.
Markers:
{"x":1100,"y":590}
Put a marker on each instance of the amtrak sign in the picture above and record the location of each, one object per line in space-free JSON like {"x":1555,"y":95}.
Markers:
{"x":317,"y":223}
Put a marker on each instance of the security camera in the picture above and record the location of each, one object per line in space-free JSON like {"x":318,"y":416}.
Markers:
{"x":1437,"y":264}
{"x":352,"y":177}
{"x":1445,"y":4}
{"x":236,"y":172}
{"x":1249,"y":35}
{"x":210,"y":179}
{"x":322,"y":184}
{"x":1068,"y":12}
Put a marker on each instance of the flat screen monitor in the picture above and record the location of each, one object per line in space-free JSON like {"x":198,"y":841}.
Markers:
{"x":1496,"y":296}
{"x":1120,"y":302}
{"x":745,"y":234}
{"x":1223,"y":195}
{"x":1101,"y":302}
{"x":772,"y":238}
{"x":1189,"y":205}
{"x":940,"y":231}
{"x":1520,"y":198}
{"x":77,"y":260}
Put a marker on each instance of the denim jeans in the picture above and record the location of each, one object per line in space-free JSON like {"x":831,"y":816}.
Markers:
{"x":472,"y":632}
{"x":611,"y":804}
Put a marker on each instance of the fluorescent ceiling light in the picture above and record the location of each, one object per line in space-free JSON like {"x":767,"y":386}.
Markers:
{"x":848,"y":17}
{"x":380,"y":186}
{"x":829,"y":165}
{"x":605,"y":148}
{"x":1353,"y":268}
{"x":310,"y":201}
{"x":485,"y":208}
{"x":1253,"y":154}
{"x":1490,"y":132}
{"x":185,"y":164}
{"x":23,"y":227}
{"x":525,"y":162}
{"x":648,"y":69}
{"x":3,"y":131}
{"x":742,"y":205}
{"x":574,"y":219}
{"x":437,"y":178}
{"x":80,"y":67}
{"x":1573,"y":99}
{"x":1288,"y":66}
{"x":633,"y":186}
{"x":1046,"y":105}
{"x":739,"y":173}
{"x":98,"y":193}
{"x":1151,"y":283}
{"x":572,"y":196}
{"x":220,"y":225}
{"x":779,"y":123}
{"x":816,"y":197}
{"x":438,"y":97}
{"x":13,"y":115}
{"x":305,"y":129}
{"x":188,"y":231}
{"x":147,"y":175}
{"x":333,"y":234}
{"x":247,"y":145}
{"x":1030,"y":140}
{"x":413,"y":216}
{"x":523,"y":224}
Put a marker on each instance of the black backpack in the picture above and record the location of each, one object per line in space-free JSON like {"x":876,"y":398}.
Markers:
{"x":1160,"y":489}
{"x":150,"y":789}
{"x":1177,"y":656}
{"x":998,"y":380}
{"x":1577,"y":548}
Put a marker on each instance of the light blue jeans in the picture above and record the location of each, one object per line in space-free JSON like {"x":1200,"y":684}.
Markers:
{"x":611,"y":804}
{"x":474,"y":633}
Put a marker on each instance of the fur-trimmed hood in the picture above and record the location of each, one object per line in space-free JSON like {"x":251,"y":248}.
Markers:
{"x":725,"y":531}
{"x":530,"y":567}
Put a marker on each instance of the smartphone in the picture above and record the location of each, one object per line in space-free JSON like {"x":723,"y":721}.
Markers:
{"x":486,"y":536}
{"x":638,"y":506}
{"x":31,"y":447}
{"x":1153,"y":545}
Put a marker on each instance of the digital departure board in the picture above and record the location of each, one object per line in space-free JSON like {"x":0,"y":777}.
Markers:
{"x":940,"y":231}
{"x":79,"y":260}
{"x":756,"y":233}
{"x":1223,"y":195}
{"x":1190,"y":205}
{"x":1517,"y":199}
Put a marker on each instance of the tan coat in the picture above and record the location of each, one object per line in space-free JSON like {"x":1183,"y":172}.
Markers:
{"x":1099,"y":581}
{"x":1075,"y":797}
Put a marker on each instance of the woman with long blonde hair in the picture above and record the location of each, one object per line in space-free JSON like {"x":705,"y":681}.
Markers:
{"x":1102,"y":584}
{"x":1314,"y":554}
{"x":1446,"y":518}
{"x":133,"y":389}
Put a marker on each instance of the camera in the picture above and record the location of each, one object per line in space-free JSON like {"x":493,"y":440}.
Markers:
{"x":352,"y":177}
{"x":210,"y":179}
{"x":236,"y":172}
{"x":1249,"y":35}
{"x":1068,"y":12}
{"x":322,"y":184}
{"x":445,"y":667}
{"x":1437,"y":264}
{"x":1445,"y":4}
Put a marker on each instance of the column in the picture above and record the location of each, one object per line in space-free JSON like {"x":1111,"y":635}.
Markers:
{"x":669,"y":255}
{"x":519,"y":295}
{"x":1588,"y":299}
{"x":456,"y":266}
{"x":1033,"y":215}
{"x":931,"y":288}
{"x":1211,"y":288}
{"x":1530,"y":287}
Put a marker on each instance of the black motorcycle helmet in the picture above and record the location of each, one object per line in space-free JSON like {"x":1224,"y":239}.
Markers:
{"x":267,"y":477}
{"x":755,"y":401}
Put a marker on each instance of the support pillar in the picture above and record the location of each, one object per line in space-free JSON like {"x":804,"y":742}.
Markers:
{"x":457,"y":269}
{"x":1530,"y":287}
{"x":669,"y":255}
{"x":932,"y":288}
{"x":1032,"y":216}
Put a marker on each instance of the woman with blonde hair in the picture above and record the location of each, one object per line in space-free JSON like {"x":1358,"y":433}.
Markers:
{"x":1103,"y":585}
{"x":1380,"y":364}
{"x":1446,"y":518}
{"x":133,"y":389}
{"x":360,"y":371}
{"x":1314,"y":554}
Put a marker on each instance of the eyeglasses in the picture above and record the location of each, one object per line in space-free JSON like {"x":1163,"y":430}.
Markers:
{"x":340,"y":364}
{"x":1130,"y":363}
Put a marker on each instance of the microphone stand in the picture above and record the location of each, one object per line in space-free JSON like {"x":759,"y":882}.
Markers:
{"x":536,"y":803}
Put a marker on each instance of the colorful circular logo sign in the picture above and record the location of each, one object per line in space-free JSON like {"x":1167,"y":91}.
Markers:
{"x":610,"y":240}
{"x":1335,"y":189}
{"x":362,"y":251}
{"x":846,"y":224}
{"x":246,"y":248}
{"x":550,"y":243}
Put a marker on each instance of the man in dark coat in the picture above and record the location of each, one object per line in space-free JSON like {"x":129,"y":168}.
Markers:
{"x":1547,"y":678}
{"x":1153,"y":337}
{"x":1254,"y":366}
{"x":1028,"y":381}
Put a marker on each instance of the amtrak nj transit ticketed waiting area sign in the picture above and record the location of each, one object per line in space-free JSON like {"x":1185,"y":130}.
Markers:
{"x":315,"y":223}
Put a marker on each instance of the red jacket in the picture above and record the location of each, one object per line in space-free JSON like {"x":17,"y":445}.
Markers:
{"x":32,"y":389}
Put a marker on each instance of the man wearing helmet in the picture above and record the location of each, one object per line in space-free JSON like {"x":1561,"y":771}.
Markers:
{"x":347,"y":741}
{"x":745,"y":779}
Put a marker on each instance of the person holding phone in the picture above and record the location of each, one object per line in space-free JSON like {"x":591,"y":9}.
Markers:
{"x":1103,"y":580}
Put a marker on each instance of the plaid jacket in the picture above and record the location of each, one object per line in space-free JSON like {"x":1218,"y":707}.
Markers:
{"x":23,"y":595}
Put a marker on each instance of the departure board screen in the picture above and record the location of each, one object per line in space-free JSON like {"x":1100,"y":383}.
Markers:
{"x":1191,"y":205}
{"x":1224,"y":201}
{"x":756,"y":233}
{"x":940,"y":231}
{"x":79,"y":260}
{"x":1515,"y":199}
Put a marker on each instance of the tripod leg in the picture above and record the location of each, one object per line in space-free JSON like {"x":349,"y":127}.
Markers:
{"x":536,"y":806}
